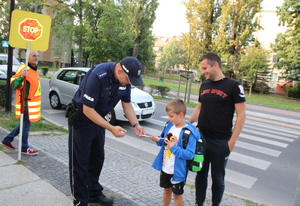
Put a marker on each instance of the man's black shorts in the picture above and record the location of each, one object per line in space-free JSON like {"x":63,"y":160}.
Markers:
{"x":165,"y":182}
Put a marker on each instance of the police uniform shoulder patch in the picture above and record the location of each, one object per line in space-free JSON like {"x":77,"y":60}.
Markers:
{"x":102,"y":75}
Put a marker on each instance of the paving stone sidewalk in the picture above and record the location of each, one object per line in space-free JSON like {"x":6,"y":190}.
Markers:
{"x":128,"y":180}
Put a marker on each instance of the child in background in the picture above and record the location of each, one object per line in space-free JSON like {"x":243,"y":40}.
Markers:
{"x":171,"y":159}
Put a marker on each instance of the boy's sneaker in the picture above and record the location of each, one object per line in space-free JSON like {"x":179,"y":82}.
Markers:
{"x":30,"y":152}
{"x":8,"y":145}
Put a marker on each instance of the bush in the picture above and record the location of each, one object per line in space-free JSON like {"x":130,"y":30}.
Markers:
{"x":294,"y":92}
{"x":161,"y":90}
{"x":45,"y":70}
{"x":152,"y":89}
{"x":3,"y":93}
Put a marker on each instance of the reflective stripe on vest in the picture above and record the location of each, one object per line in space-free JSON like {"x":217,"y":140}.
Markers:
{"x":34,"y":95}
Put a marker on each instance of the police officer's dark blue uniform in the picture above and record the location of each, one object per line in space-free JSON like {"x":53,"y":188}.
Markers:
{"x":101,"y":91}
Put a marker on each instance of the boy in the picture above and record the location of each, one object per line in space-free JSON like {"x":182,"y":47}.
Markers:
{"x":171,"y":160}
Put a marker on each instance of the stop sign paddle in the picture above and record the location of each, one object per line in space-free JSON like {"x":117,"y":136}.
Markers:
{"x":29,"y":28}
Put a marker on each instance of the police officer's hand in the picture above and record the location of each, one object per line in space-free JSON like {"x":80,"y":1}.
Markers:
{"x":118,"y":131}
{"x":139,"y":131}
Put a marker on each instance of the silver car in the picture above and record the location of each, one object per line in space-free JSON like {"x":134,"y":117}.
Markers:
{"x":3,"y":65}
{"x":65,"y":82}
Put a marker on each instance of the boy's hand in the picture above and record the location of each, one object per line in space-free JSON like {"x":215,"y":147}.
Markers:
{"x":170,"y":144}
{"x":154,"y":138}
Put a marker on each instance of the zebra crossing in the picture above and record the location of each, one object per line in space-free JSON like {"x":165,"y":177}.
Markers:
{"x":259,"y":143}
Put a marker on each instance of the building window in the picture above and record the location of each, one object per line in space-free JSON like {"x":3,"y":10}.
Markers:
{"x":274,"y":77}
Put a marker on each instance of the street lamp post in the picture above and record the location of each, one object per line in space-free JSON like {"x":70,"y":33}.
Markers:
{"x":9,"y":67}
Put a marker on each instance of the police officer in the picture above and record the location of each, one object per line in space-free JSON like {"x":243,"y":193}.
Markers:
{"x":101,"y":89}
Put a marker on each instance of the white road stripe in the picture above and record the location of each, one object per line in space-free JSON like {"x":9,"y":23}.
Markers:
{"x":271,"y":130}
{"x":237,"y":178}
{"x":267,"y":134}
{"x":273,"y":117}
{"x":240,"y":179}
{"x":250,"y":161}
{"x":272,"y":127}
{"x":259,"y":149}
{"x":263,"y":140}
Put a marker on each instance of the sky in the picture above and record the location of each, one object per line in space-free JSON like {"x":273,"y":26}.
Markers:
{"x":170,"y":16}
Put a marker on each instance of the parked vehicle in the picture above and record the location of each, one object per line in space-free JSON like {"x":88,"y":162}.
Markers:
{"x":3,"y":76}
{"x":65,"y":82}
{"x":4,"y":62}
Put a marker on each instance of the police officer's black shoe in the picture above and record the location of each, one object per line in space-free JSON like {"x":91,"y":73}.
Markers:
{"x":102,"y":200}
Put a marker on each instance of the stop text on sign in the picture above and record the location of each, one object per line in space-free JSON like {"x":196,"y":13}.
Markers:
{"x":30,"y":29}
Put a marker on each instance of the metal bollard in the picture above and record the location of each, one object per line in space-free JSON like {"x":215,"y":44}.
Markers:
{"x":297,"y":195}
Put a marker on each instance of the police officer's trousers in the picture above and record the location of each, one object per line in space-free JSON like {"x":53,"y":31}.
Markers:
{"x":86,"y":157}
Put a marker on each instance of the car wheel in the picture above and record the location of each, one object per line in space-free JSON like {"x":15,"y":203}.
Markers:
{"x":55,"y":101}
{"x":111,"y":117}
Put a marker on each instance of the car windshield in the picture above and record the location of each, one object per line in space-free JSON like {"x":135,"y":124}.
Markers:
{"x":3,"y":60}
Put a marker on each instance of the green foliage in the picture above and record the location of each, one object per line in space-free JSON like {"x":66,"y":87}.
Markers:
{"x":161,"y":90}
{"x":202,"y":16}
{"x":254,"y":63}
{"x":225,"y":27}
{"x":173,"y":56}
{"x":111,"y":40}
{"x":45,"y":70}
{"x":61,"y":35}
{"x":3,"y":93}
{"x":272,"y":100}
{"x":152,"y":89}
{"x":294,"y":92}
{"x":9,"y":121}
{"x":141,"y":15}
{"x":287,"y":45}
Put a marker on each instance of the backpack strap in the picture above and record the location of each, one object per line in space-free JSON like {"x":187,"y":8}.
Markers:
{"x":162,"y":133}
{"x":185,"y":137}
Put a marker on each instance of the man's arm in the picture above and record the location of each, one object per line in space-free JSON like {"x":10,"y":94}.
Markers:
{"x":130,"y":114}
{"x":194,"y":117}
{"x":97,"y":119}
{"x":240,"y":109}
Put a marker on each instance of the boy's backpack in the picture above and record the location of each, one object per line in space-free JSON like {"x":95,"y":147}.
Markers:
{"x":195,"y":165}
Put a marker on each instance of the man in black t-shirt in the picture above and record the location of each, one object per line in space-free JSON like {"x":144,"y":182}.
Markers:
{"x":219,"y":98}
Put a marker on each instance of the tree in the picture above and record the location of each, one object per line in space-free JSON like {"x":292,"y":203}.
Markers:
{"x":142,"y":15}
{"x":287,"y":45}
{"x":4,"y":22}
{"x":111,"y":39}
{"x":222,"y":26}
{"x":202,"y":16}
{"x":237,"y":24}
{"x":173,"y":56}
{"x":61,"y":30}
{"x":254,"y":63}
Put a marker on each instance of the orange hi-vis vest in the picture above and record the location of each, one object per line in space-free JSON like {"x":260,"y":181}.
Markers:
{"x":34,"y":95}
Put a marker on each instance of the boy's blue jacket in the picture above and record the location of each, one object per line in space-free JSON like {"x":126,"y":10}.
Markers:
{"x":181,"y":155}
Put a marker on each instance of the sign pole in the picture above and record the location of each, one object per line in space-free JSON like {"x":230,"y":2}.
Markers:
{"x":23,"y":99}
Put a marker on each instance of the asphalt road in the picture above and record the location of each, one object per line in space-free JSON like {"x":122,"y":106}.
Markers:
{"x":264,"y":167}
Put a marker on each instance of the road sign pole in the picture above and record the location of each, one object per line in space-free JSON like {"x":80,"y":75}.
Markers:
{"x":22,"y":104}
{"x":8,"y":93}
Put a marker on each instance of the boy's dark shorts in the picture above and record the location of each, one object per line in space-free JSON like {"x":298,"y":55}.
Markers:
{"x":165,"y":182}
